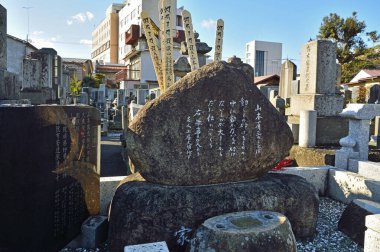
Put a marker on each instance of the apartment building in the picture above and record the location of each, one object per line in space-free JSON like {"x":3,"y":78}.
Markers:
{"x":264,"y":56}
{"x":133,"y":50}
{"x":105,"y":37}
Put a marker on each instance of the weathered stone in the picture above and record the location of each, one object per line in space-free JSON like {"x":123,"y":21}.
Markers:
{"x":288,"y":75}
{"x":245,"y":231}
{"x":143,"y":212}
{"x":49,"y":181}
{"x":151,"y":247}
{"x":318,"y":67}
{"x":372,"y":234}
{"x":217,"y":127}
{"x":247,"y":68}
{"x":317,"y":176}
{"x":312,"y":156}
{"x":181,"y":67}
{"x":352,"y":221}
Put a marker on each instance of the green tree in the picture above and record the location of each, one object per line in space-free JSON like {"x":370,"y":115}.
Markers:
{"x":347,"y":33}
{"x":93,"y":81}
{"x":75,"y":86}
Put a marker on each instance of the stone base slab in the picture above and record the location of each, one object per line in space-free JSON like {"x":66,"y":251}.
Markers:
{"x":317,"y":176}
{"x":346,"y":186}
{"x":324,"y":104}
{"x":312,"y":156}
{"x":369,"y":169}
{"x":143,"y":212}
{"x":108,"y":186}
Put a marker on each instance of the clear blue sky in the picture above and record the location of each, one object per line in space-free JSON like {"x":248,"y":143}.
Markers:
{"x":67,"y":24}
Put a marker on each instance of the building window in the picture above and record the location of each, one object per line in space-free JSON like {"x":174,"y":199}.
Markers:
{"x":139,"y":9}
{"x":133,"y":14}
{"x":247,"y":48}
{"x":179,"y":21}
{"x":259,"y":63}
{"x":248,"y":56}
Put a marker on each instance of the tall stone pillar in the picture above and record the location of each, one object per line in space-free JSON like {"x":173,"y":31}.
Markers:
{"x":288,"y":74}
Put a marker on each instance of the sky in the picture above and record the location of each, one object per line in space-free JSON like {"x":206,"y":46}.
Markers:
{"x":66,"y":25}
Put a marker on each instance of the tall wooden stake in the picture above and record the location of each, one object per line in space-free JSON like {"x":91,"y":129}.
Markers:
{"x":190,"y":40}
{"x":153,"y":48}
{"x":219,"y":40}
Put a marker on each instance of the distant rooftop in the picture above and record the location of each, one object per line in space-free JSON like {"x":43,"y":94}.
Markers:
{"x":22,"y":41}
{"x":372,"y":72}
{"x":74,"y":60}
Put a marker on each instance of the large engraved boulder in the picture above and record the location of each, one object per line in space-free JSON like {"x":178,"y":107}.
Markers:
{"x":142,"y":212}
{"x":212,"y":126}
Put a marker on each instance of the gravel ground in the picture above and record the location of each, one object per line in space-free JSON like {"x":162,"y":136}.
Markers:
{"x":327,"y":239}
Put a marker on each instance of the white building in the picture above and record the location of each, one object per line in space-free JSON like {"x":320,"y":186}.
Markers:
{"x":133,"y":49}
{"x":105,"y":37}
{"x":265,"y":57}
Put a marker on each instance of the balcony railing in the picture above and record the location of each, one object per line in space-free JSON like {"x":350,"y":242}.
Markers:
{"x":127,"y":75}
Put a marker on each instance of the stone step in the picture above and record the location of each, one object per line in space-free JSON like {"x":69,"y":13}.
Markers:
{"x":369,"y":170}
{"x":346,"y":186}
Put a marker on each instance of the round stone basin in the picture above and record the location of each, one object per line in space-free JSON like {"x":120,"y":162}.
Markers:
{"x":248,"y":221}
{"x":262,"y":231}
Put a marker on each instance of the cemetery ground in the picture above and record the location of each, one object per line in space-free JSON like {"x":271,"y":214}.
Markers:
{"x":327,"y":237}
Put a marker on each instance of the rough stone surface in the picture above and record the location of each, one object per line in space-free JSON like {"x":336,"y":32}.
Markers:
{"x":288,"y":74}
{"x":352,"y":222}
{"x":151,"y":247}
{"x":324,"y":104}
{"x":317,"y":176}
{"x":372,"y":234}
{"x":318,"y":67}
{"x":212,"y":126}
{"x":142,"y":212}
{"x":49,"y":181}
{"x":247,"y":68}
{"x":312,"y":156}
{"x":245,"y":231}
{"x":346,"y":186}
{"x":369,"y":169}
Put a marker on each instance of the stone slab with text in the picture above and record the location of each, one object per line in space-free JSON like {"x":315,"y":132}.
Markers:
{"x":49,"y":182}
{"x":212,"y":126}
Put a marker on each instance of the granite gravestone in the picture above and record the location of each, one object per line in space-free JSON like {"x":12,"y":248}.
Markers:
{"x":49,"y":181}
{"x":219,"y":128}
{"x":374,"y":94}
{"x":288,"y":74}
{"x":203,"y":149}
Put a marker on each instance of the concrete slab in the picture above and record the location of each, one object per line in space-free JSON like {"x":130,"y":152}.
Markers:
{"x":315,"y":175}
{"x":372,"y":234}
{"x":151,"y":247}
{"x":108,"y":186}
{"x":369,"y":169}
{"x":346,"y":186}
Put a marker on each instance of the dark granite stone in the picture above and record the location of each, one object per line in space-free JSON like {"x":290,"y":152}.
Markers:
{"x":212,"y":126}
{"x":143,"y":212}
{"x":49,"y":178}
{"x":352,"y":221}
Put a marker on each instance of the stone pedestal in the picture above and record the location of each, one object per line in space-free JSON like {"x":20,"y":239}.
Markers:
{"x":144,"y":212}
{"x":49,"y":181}
{"x":324,"y":104}
{"x":308,"y":128}
{"x":245,"y":231}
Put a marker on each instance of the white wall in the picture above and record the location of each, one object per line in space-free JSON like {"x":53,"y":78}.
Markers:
{"x":272,"y":58}
{"x":362,"y":74}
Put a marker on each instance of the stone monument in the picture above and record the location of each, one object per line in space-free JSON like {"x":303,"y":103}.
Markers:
{"x":49,"y":179}
{"x":288,"y":74}
{"x":202,"y":49}
{"x":318,"y":92}
{"x":222,"y":137}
